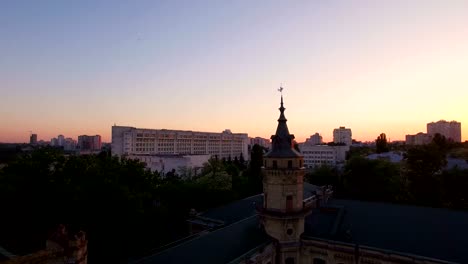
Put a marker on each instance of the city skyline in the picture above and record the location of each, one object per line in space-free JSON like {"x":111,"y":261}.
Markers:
{"x":78,"y":68}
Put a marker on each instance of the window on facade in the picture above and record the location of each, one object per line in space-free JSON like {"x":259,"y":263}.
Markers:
{"x":289,"y":203}
{"x":289,"y":164}
{"x":289,"y":261}
{"x":275,"y":164}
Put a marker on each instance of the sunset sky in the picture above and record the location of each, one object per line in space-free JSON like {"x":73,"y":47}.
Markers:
{"x":78,"y":67}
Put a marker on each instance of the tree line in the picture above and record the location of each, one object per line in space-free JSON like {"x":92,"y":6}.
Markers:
{"x":125,"y":209}
{"x":420,"y":179}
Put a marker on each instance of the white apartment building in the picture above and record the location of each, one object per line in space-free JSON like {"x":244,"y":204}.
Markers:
{"x":133,"y":141}
{"x":451,"y":130}
{"x":317,"y":155}
{"x":342,"y":135}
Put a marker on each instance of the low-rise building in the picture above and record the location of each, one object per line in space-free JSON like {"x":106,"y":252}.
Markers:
{"x":168,"y":163}
{"x":418,"y":139}
{"x":317,"y":155}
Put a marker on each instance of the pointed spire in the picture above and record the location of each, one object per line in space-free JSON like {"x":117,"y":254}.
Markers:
{"x":282,"y":141}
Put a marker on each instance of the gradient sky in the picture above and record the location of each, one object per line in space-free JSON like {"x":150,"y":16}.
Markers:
{"x":78,"y":67}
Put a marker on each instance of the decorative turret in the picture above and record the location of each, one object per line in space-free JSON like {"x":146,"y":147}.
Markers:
{"x":283,"y":210}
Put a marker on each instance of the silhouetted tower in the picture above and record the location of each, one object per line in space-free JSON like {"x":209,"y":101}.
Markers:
{"x":283,"y":211}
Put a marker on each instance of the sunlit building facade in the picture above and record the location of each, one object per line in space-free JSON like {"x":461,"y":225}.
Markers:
{"x":342,"y":135}
{"x":140,"y":141}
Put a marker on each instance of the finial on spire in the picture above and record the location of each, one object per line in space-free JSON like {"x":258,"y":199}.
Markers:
{"x":281,"y":89}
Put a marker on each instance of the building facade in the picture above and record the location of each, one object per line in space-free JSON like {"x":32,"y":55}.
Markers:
{"x":139,"y":141}
{"x":450,"y":130}
{"x":342,"y":135}
{"x":315,"y":139}
{"x":418,"y":139}
{"x":33,"y":139}
{"x":89,"y":143}
{"x":318,"y":155}
{"x":263,"y":142}
{"x":172,"y":163}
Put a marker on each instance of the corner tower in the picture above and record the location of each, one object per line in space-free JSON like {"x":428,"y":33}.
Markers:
{"x":283,"y":210}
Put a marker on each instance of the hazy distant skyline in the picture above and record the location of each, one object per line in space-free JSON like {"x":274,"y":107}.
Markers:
{"x":78,"y":67}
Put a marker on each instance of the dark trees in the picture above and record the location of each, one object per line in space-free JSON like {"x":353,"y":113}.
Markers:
{"x":381,"y":143}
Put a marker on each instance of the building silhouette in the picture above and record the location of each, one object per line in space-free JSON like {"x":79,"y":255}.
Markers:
{"x":89,"y":143}
{"x":450,"y":130}
{"x":33,"y":139}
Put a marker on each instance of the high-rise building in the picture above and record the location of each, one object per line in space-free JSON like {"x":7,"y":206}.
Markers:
{"x":89,"y":143}
{"x":450,"y":130}
{"x":315,"y":139}
{"x":342,"y":135}
{"x":140,"y":141}
{"x":61,"y":140}
{"x":69,"y":145}
{"x":33,"y":139}
{"x":54,"y":142}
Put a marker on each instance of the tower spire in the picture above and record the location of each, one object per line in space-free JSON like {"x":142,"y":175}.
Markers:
{"x":282,"y":141}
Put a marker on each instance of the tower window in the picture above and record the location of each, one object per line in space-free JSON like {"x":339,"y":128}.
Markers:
{"x":275,"y":164}
{"x":289,"y":164}
{"x":289,"y":203}
{"x":289,"y":261}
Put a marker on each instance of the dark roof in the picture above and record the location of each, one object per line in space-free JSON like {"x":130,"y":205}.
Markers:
{"x":240,"y":234}
{"x":430,"y":232}
{"x":244,"y":208}
{"x":282,"y":141}
{"x":220,"y":246}
{"x":235,"y":211}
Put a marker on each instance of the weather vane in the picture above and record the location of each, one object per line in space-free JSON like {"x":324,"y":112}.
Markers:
{"x":281,"y":89}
